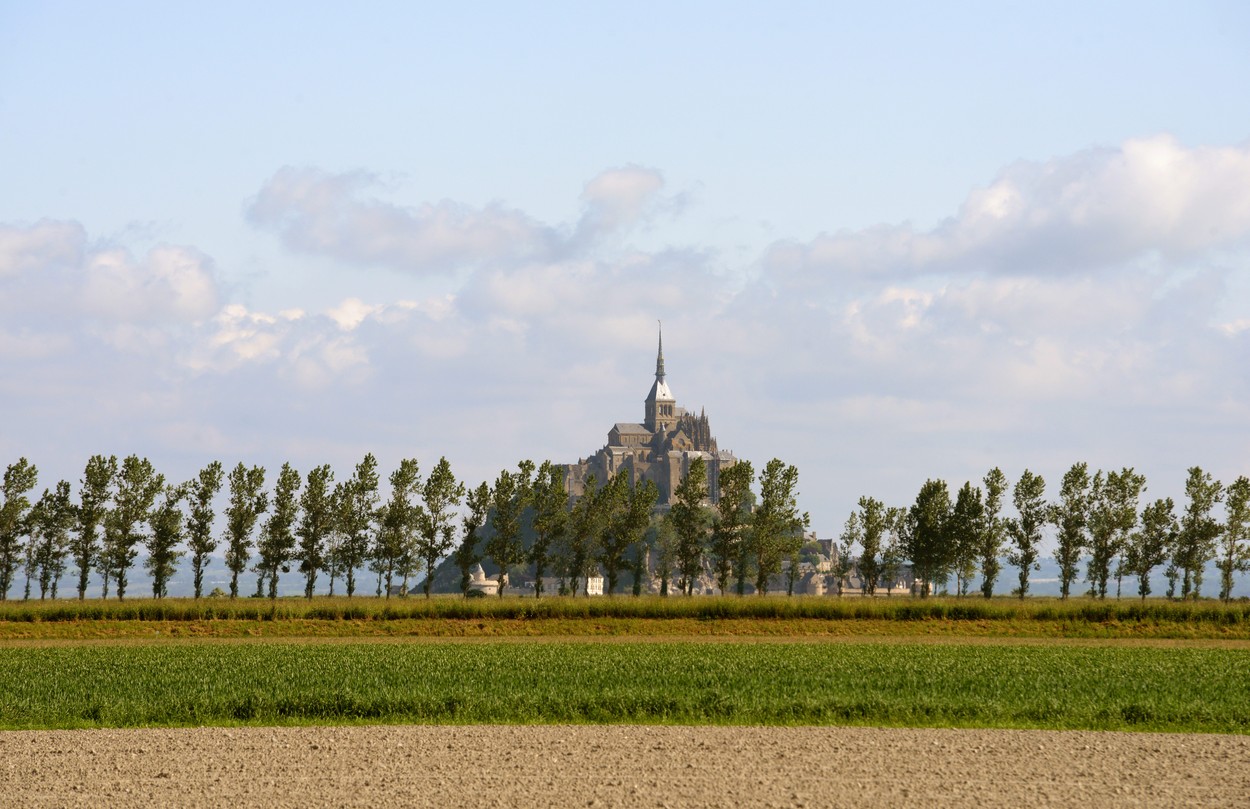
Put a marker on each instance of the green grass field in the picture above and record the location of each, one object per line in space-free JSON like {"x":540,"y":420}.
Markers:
{"x":1048,"y":686}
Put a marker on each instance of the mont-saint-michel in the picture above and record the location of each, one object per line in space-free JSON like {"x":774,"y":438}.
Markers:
{"x":660,"y":448}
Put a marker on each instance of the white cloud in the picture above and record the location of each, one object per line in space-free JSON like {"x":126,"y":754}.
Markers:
{"x":25,"y":344}
{"x":1093,"y":210}
{"x":317,"y":361}
{"x":51,"y":274}
{"x":236,"y":336}
{"x":1235,"y":327}
{"x":349,"y":314}
{"x":326,"y":214}
{"x":169,"y":284}
{"x":321,"y":213}
{"x":618,"y":199}
{"x":47,"y":243}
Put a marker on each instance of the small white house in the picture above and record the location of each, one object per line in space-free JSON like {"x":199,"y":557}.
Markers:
{"x":479,"y":582}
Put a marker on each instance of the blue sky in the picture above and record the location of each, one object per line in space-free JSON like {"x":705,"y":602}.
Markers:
{"x":888,"y":241}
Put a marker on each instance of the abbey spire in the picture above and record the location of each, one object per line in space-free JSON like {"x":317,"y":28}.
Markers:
{"x":659,"y":358}
{"x":661,"y":407}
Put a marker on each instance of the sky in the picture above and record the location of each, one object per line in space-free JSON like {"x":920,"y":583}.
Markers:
{"x":888,"y":242}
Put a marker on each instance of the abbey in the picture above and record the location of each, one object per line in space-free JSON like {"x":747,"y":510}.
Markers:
{"x":660,"y":449}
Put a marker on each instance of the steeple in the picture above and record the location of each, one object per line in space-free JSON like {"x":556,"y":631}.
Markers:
{"x":659,"y":357}
{"x":661,"y":410}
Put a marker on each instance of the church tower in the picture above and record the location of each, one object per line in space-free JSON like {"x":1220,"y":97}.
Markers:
{"x":661,"y":414}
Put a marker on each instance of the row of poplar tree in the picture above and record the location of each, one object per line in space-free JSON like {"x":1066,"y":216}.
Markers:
{"x":336,"y":529}
{"x":1096,"y":521}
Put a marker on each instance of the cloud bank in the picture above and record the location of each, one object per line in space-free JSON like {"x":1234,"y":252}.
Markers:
{"x":1070,"y":309}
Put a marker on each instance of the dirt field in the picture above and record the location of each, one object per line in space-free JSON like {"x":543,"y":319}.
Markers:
{"x":618,"y":766}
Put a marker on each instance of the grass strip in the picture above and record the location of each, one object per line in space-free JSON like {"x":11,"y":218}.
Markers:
{"x":898,"y":608}
{"x":645,"y":628}
{"x":1191,"y":690}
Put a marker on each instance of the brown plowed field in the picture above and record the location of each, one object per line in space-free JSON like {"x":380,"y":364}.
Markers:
{"x":619,"y":766}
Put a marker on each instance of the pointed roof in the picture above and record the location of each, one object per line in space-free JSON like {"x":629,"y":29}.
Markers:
{"x":659,"y":357}
{"x":659,"y":391}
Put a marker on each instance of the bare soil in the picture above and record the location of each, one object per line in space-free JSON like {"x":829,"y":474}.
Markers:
{"x":618,"y":766}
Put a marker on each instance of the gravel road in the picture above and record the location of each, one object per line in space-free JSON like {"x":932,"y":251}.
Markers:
{"x":618,"y":766}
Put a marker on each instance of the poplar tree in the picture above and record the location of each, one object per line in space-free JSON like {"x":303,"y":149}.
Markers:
{"x":276,"y":547}
{"x":852,"y":533}
{"x":1234,"y":556}
{"x":993,"y":530}
{"x":138,"y":484}
{"x":1172,"y":570}
{"x":582,"y":538}
{"x":357,"y":512}
{"x":776,"y":526}
{"x":1070,"y":516}
{"x":690,"y":520}
{"x":925,"y":532}
{"x":248,"y":501}
{"x":1026,"y":529}
{"x":466,"y":555}
{"x":19,"y":479}
{"x":610,"y":551}
{"x":340,"y":502}
{"x":639,"y":567}
{"x":315,"y":524}
{"x":1199,"y":529}
{"x":201,"y":542}
{"x":967,"y":517}
{"x":504,"y":547}
{"x":103,"y":560}
{"x":1112,"y":517}
{"x":550,"y":503}
{"x":51,"y":520}
{"x":442,"y":494}
{"x":162,"y":543}
{"x":93,"y":500}
{"x":30,"y":550}
{"x":1148,"y":547}
{"x":895,"y":553}
{"x":664,"y":540}
{"x":874,"y":519}
{"x":627,"y":525}
{"x":399,"y":522}
{"x":733,"y":513}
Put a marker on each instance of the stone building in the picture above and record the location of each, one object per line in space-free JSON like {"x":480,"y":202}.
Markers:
{"x":660,"y":448}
